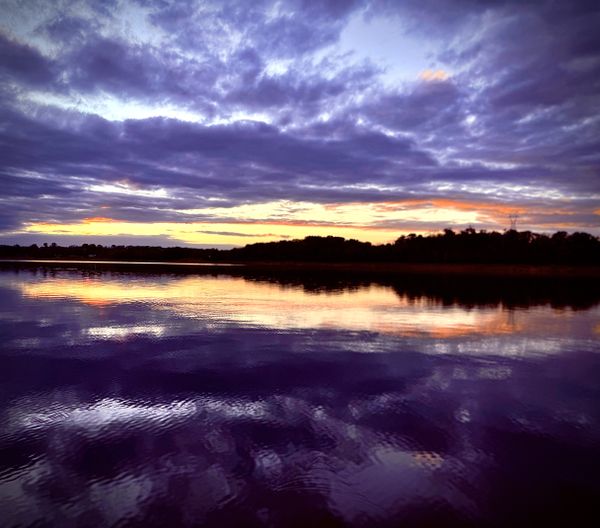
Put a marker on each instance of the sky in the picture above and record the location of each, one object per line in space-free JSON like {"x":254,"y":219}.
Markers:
{"x":223,"y":123}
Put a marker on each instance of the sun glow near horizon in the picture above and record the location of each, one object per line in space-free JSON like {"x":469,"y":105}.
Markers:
{"x":376,"y":222}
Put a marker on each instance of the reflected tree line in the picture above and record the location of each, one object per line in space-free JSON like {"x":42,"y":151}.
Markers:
{"x":574,"y":291}
{"x":466,"y":246}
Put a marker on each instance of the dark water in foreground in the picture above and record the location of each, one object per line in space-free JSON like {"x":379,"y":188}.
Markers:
{"x":199,"y":400}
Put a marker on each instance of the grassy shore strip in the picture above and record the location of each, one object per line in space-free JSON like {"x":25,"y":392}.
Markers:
{"x":478,"y":270}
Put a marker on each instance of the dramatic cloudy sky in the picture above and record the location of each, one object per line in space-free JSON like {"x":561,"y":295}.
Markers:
{"x":228,"y":122}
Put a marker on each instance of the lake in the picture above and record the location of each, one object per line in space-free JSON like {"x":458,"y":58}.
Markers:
{"x":226,"y":398}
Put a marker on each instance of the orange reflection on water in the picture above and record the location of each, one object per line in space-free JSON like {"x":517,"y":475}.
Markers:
{"x":262,"y":304}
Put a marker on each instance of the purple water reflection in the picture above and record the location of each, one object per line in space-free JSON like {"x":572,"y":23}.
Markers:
{"x":187,"y":400}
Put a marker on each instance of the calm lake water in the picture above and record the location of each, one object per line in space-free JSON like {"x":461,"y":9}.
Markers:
{"x":165,"y":399}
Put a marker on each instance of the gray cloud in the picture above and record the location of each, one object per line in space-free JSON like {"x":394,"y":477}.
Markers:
{"x":514,"y":121}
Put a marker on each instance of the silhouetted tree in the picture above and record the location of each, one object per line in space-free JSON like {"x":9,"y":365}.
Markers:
{"x":466,"y":246}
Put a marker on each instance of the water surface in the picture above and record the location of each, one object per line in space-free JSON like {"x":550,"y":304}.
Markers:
{"x":165,"y":399}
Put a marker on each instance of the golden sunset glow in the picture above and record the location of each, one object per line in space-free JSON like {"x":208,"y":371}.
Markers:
{"x":267,"y":305}
{"x":377,"y":222}
{"x":213,"y":233}
{"x":359,"y":214}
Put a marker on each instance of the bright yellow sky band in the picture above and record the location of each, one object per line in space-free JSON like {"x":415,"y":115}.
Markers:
{"x":379,"y":222}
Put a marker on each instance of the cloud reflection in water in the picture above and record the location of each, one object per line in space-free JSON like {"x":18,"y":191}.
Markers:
{"x":155,"y":400}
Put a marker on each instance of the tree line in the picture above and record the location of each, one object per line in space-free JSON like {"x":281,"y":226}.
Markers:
{"x":466,"y":246}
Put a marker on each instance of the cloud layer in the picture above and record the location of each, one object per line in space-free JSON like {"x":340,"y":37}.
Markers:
{"x":164,"y":114}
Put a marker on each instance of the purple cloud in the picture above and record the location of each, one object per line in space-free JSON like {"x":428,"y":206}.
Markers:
{"x":252,"y":104}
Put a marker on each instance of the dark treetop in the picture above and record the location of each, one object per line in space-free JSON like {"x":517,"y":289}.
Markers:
{"x":467,"y":246}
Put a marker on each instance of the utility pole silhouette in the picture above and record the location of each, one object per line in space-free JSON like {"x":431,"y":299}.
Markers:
{"x":513,"y":218}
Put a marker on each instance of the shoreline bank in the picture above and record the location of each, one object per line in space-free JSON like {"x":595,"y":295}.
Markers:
{"x":370,"y":268}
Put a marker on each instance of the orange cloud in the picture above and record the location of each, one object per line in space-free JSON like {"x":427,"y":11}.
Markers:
{"x":95,"y":219}
{"x":434,"y":75}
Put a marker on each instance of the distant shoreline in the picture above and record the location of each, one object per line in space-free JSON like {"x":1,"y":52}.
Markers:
{"x":375,"y":268}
